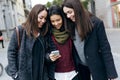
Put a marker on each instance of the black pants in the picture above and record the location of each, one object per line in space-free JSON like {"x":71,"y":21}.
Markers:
{"x":2,"y":43}
{"x":84,"y":72}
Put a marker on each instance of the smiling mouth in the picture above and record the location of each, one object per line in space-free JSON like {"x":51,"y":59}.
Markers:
{"x":41,"y":24}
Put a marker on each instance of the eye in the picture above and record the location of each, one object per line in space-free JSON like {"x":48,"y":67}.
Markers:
{"x":58,"y":20}
{"x":40,"y":17}
{"x":69,"y":12}
{"x":52,"y":21}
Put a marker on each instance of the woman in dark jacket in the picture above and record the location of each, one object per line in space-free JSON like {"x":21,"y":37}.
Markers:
{"x":91,"y":43}
{"x":30,"y":60}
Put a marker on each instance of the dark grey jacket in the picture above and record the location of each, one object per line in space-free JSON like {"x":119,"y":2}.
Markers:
{"x":23,"y":67}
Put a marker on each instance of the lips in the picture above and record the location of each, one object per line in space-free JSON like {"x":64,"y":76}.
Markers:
{"x":40,"y":23}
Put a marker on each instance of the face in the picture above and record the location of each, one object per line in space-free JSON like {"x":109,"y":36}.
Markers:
{"x":42,"y":18}
{"x":70,"y":13}
{"x":56,"y":21}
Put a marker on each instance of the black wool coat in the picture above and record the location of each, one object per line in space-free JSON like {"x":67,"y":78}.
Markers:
{"x":98,"y":53}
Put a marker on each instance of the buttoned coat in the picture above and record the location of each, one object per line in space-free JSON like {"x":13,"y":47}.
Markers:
{"x":98,"y":52}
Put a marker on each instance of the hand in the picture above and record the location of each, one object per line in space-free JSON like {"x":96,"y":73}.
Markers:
{"x":54,"y":57}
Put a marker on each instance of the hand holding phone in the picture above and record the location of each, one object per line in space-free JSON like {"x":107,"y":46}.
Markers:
{"x":55,"y":55}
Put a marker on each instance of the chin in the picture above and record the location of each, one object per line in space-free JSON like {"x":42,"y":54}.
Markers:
{"x":59,"y":28}
{"x":40,"y":27}
{"x":73,"y":20}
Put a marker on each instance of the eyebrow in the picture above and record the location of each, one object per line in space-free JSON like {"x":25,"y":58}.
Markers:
{"x":41,"y":16}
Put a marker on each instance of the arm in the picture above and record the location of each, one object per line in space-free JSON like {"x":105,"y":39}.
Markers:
{"x":106,"y":51}
{"x":51,"y":47}
{"x":12,"y":52}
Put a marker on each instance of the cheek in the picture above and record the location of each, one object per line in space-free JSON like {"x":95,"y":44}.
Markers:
{"x":61,"y":22}
{"x":73,"y":14}
{"x":52,"y":23}
{"x":38,"y":20}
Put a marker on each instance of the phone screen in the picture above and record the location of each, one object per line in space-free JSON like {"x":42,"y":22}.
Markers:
{"x":56,"y":52}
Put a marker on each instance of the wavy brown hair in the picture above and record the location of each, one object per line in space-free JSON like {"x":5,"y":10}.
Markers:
{"x":31,"y":23}
{"x":82,"y":18}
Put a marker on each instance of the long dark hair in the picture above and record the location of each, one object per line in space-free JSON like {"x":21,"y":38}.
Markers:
{"x":82,"y":19}
{"x":57,"y":10}
{"x":31,"y":23}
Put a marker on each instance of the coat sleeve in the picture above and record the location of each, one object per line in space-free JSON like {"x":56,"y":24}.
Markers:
{"x":12,"y":52}
{"x":51,"y":65}
{"x":106,"y":51}
{"x":50,"y":46}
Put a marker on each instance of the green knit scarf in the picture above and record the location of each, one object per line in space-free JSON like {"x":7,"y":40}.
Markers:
{"x":60,"y":37}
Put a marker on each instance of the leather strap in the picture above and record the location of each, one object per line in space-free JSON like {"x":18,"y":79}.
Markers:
{"x":18,"y":37}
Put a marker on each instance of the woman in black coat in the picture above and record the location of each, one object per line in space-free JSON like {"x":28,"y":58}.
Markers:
{"x":30,"y":60}
{"x":90,"y":42}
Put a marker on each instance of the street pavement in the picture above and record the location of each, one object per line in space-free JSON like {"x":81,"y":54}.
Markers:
{"x":3,"y":60}
{"x":113,"y":37}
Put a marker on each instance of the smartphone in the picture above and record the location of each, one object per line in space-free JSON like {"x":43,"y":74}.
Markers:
{"x":56,"y":52}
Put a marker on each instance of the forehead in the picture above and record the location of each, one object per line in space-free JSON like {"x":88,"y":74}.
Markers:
{"x":42,"y":13}
{"x":55,"y":16}
{"x":66,"y":9}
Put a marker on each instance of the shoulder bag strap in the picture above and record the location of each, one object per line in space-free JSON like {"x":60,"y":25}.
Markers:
{"x":18,"y":37}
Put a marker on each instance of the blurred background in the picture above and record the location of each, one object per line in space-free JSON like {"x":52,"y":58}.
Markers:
{"x":15,"y":12}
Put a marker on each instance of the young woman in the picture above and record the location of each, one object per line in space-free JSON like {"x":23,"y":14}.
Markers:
{"x":91,"y":43}
{"x":65,"y":66}
{"x":30,"y":60}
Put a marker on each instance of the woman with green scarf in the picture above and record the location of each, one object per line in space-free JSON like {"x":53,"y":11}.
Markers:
{"x":66,"y":67}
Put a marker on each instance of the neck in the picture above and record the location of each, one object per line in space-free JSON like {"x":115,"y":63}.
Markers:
{"x":36,"y":34}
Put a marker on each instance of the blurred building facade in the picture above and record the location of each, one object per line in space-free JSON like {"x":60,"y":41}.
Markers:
{"x":115,"y":8}
{"x":108,"y":11}
{"x":27,"y":7}
{"x":13,"y":13}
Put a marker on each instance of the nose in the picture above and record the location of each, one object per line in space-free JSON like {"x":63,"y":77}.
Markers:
{"x":43,"y":20}
{"x":55,"y":23}
{"x":68,"y":15}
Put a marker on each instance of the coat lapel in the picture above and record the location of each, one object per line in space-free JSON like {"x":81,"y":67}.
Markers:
{"x":87,"y":38}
